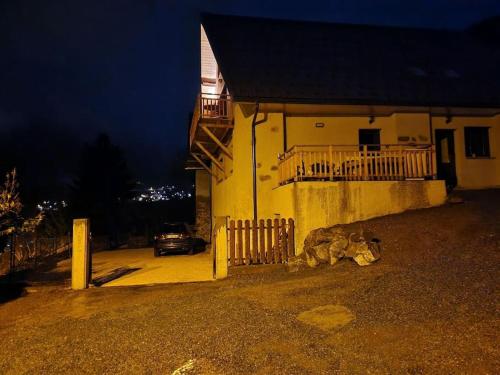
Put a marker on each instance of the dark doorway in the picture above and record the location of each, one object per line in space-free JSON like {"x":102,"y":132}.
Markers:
{"x":445,"y":157}
{"x":370,"y":137}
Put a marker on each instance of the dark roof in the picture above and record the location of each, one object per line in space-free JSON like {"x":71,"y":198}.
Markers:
{"x":296,"y":61}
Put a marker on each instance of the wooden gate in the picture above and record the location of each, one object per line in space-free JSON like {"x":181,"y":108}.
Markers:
{"x":260,"y":242}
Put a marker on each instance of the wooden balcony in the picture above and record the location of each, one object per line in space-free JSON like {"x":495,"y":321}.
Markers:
{"x":215,"y":111}
{"x":210,"y":130}
{"x":357,"y":163}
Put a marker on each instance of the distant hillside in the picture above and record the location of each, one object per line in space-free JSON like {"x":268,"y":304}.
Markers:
{"x":487,"y":30}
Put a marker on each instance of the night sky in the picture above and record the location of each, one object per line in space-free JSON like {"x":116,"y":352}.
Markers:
{"x":131,"y":67}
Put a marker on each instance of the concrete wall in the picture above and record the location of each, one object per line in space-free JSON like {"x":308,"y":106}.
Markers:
{"x":412,"y":128}
{"x":203,"y":209}
{"x":233,"y":195}
{"x":269,"y":144}
{"x":320,"y":204}
{"x":302,"y":130}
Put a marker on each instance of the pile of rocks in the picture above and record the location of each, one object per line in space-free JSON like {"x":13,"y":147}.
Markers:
{"x":329,"y":245}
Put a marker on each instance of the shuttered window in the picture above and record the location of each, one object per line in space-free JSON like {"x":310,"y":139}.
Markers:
{"x":477,"y":141}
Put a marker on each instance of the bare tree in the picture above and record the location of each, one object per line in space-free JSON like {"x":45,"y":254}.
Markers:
{"x":10,"y":204}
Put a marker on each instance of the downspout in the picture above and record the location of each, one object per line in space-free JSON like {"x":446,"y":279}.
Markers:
{"x":431,"y":130}
{"x":254,"y":160}
{"x":285,"y":141}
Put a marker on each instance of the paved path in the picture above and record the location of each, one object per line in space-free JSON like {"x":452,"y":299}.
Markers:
{"x":429,"y":306}
{"x":140,"y":267}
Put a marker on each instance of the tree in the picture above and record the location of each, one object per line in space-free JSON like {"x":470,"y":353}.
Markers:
{"x":102,"y":187}
{"x":10,"y":204}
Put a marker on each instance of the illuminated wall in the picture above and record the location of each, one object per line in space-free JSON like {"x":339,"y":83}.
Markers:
{"x":211,"y":78}
{"x":328,"y":203}
{"x":474,"y":173}
{"x":233,"y":196}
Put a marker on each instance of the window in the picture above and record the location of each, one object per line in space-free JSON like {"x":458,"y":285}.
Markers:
{"x":370,"y":137}
{"x":477,"y":142}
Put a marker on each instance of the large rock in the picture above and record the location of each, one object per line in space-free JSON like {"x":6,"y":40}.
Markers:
{"x":337,"y":248}
{"x":329,"y":245}
{"x":363,"y":252}
{"x":321,"y":252}
{"x":322,"y":235}
{"x":325,"y":245}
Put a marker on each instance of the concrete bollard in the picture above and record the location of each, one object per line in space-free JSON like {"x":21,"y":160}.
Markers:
{"x":80,"y":262}
{"x":221,"y":253}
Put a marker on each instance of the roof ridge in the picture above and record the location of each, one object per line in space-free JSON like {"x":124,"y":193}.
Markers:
{"x":204,"y":15}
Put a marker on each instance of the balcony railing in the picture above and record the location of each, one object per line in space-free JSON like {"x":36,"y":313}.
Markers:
{"x":211,"y":108}
{"x":357,"y":163}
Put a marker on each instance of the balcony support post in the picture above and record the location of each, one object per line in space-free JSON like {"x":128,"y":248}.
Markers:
{"x":365,"y":162}
{"x":203,"y":164}
{"x":211,"y":157}
{"x":222,"y":146}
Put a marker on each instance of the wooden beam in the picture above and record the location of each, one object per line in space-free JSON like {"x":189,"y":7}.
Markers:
{"x":211,"y":157}
{"x":213,"y":125}
{"x":222,"y":146}
{"x":202,"y":163}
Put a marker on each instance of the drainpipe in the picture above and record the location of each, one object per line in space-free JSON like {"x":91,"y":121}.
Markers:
{"x":431,"y":128}
{"x":254,"y":160}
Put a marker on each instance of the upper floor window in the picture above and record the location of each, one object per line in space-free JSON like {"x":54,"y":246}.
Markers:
{"x":477,"y":141}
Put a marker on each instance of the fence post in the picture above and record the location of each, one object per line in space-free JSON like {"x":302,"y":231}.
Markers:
{"x":232,"y":242}
{"x":269,"y":242}
{"x":283,"y":241}
{"x":12,"y":265}
{"x":240,"y":242}
{"x":400,"y":158}
{"x":433,"y":162}
{"x":221,"y":253}
{"x":290,"y":238}
{"x":80,"y":262}
{"x":365,"y":162}
{"x":255,"y":241}
{"x":262,"y":242}
{"x":276,"y":245}
{"x":330,"y":162}
{"x":248,"y":257}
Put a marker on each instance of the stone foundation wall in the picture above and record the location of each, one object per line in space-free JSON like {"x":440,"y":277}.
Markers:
{"x":203,"y":205}
{"x":203,"y":218}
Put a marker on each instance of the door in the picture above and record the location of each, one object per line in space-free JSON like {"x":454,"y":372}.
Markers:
{"x":370,"y":137}
{"x":445,"y":157}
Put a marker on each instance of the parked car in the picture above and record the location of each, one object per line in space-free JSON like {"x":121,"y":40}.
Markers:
{"x":175,"y":238}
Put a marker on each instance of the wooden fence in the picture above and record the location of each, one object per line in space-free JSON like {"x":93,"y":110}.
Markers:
{"x":260,"y":242}
{"x":390,"y":162}
{"x":27,"y":251}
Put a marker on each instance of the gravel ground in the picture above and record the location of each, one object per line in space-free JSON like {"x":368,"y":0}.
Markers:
{"x":430,"y":306}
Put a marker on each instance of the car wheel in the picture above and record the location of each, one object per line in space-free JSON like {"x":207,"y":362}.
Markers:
{"x":191,"y":251}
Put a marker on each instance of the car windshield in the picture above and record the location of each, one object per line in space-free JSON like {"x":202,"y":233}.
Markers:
{"x":173,"y":228}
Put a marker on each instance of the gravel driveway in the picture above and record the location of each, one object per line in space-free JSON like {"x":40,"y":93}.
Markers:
{"x":430,"y":306}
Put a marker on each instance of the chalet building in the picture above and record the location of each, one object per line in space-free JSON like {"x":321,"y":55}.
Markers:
{"x":332,"y":123}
